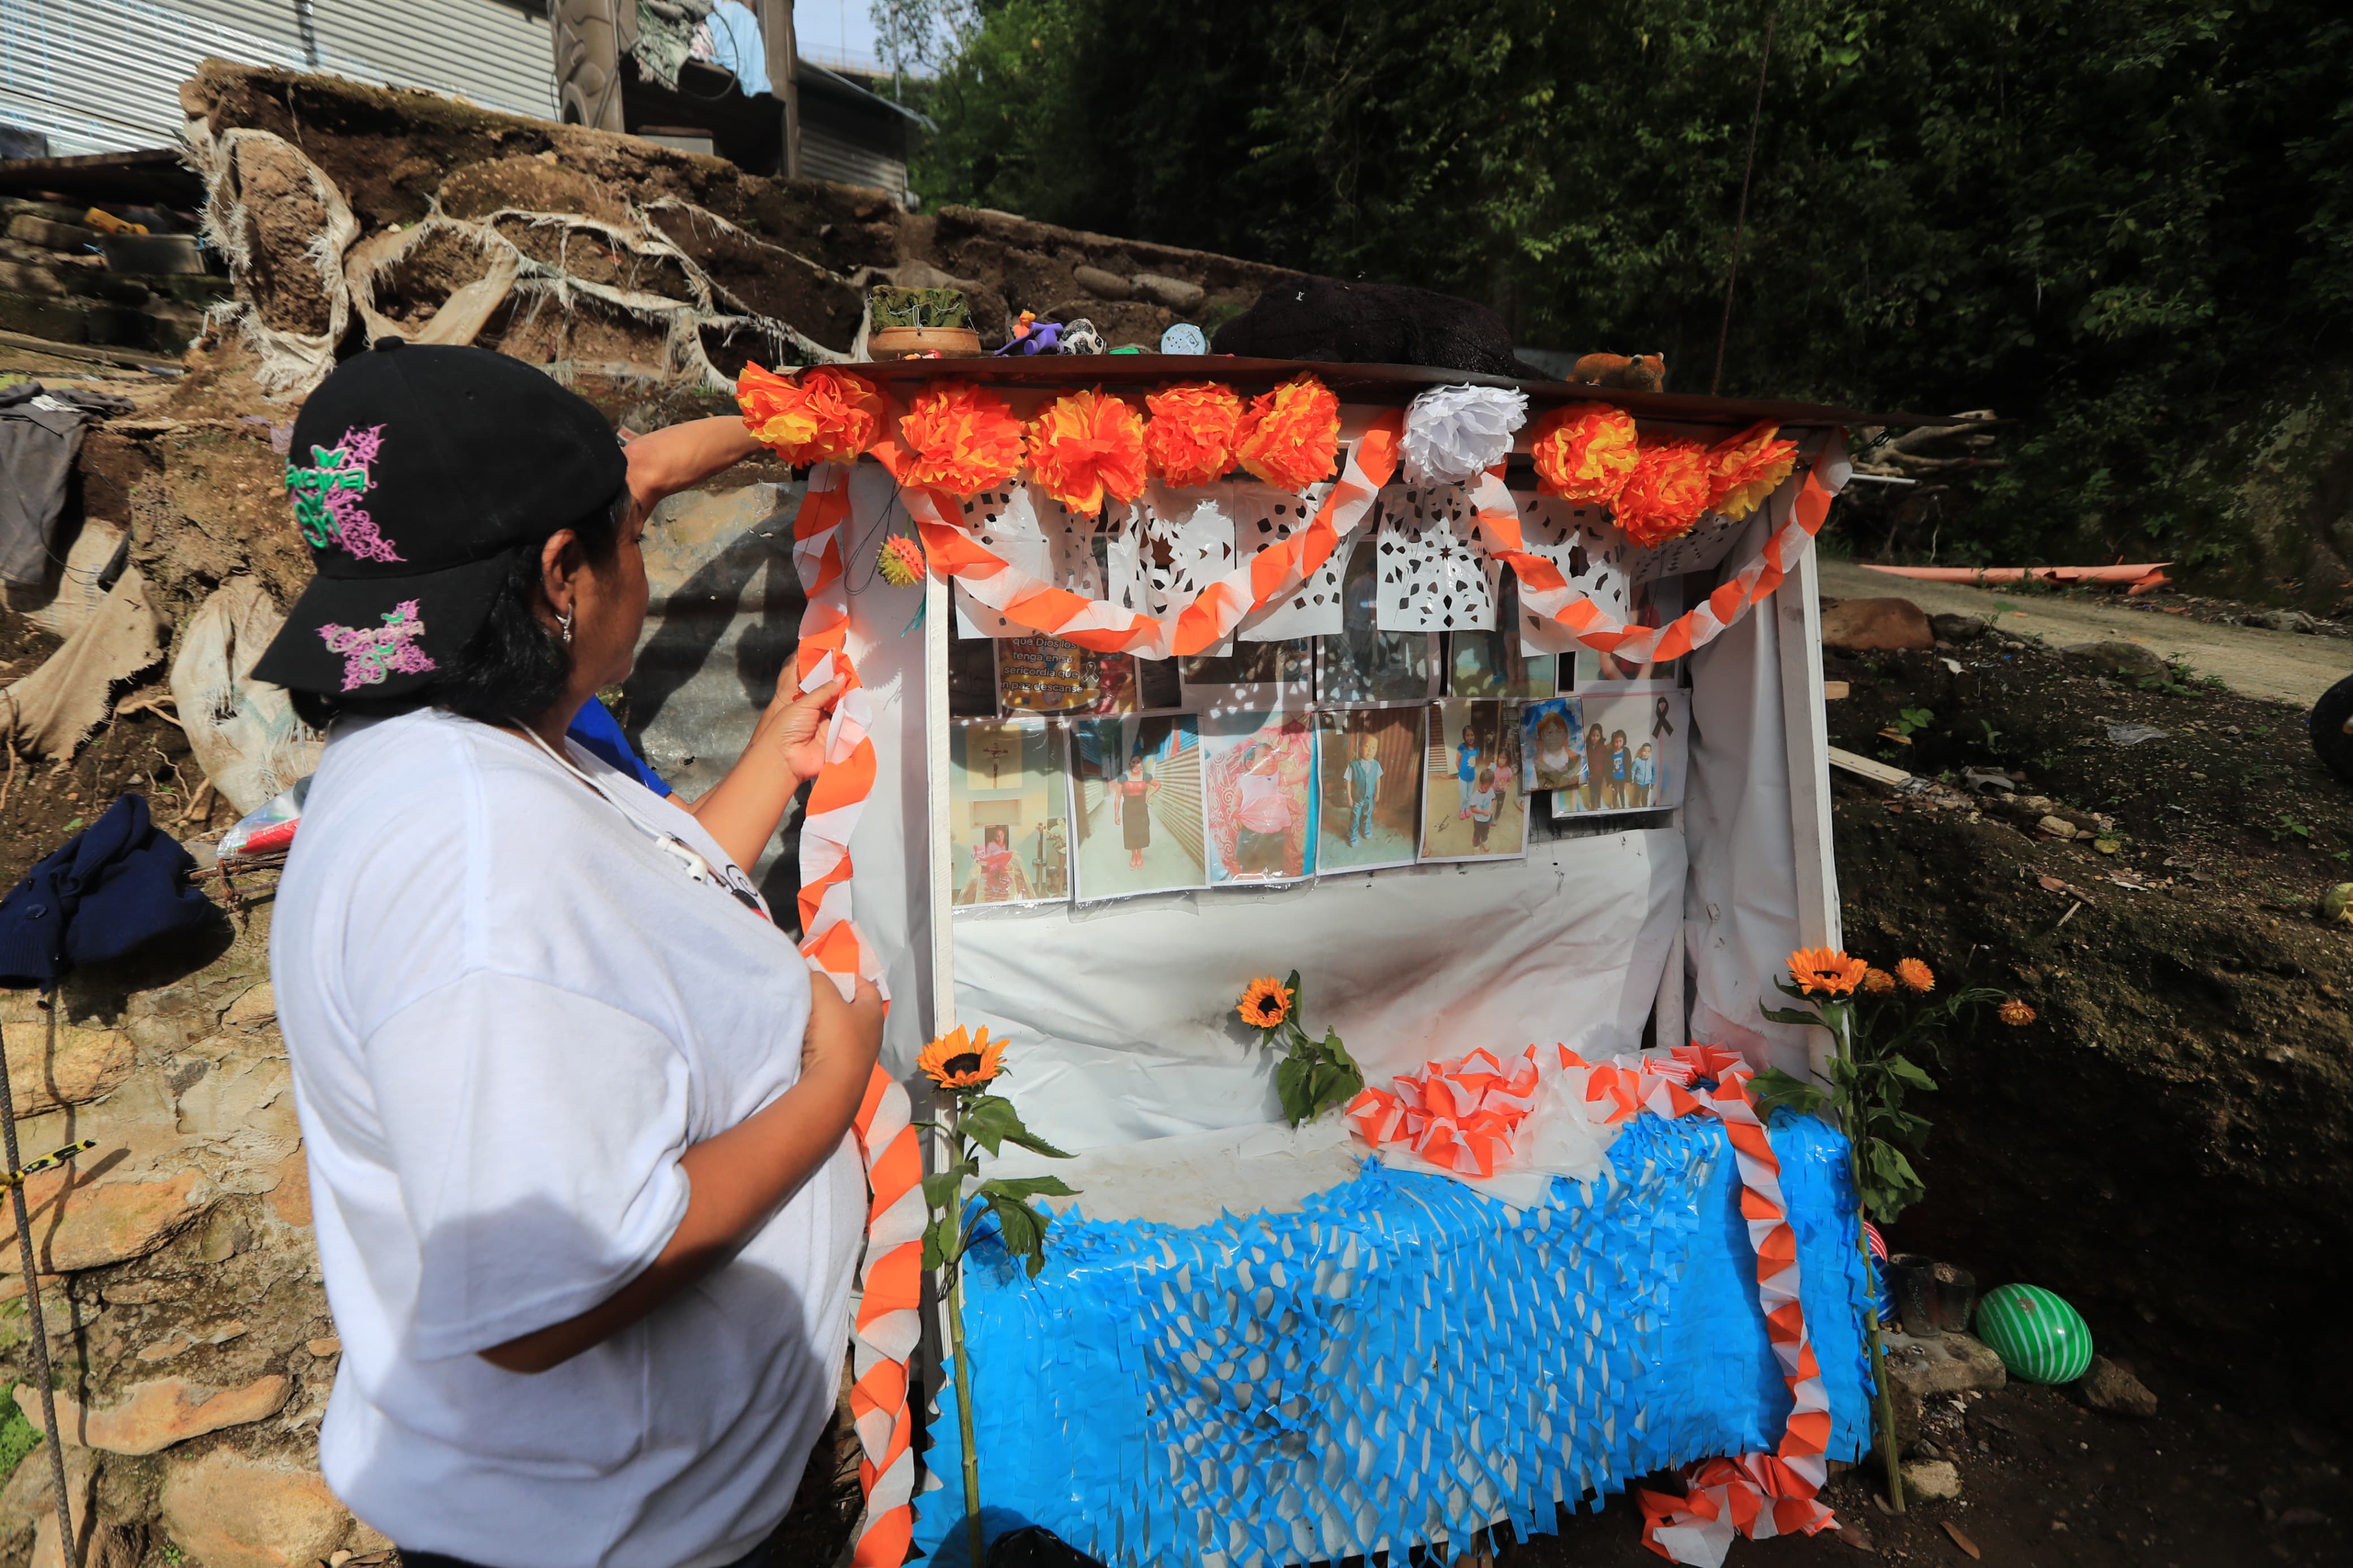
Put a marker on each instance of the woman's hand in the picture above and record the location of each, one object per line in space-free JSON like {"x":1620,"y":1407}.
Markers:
{"x":795,"y":728}
{"x":787,"y":748}
{"x":843,"y":1038}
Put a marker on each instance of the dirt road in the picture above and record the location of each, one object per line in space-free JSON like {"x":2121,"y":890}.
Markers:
{"x":2285,"y":667}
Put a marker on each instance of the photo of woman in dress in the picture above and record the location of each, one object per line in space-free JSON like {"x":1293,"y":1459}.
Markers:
{"x":1007,"y":810}
{"x":1596,"y":771}
{"x":997,"y":875}
{"x":1139,"y":809}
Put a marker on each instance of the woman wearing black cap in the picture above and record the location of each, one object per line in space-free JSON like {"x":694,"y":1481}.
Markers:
{"x":576,"y":1121}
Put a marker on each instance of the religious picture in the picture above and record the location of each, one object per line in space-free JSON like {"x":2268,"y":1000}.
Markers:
{"x":1552,"y":742}
{"x":1368,"y":763}
{"x":1637,"y":750}
{"x":1256,"y":677}
{"x":1047,"y":675}
{"x":1472,"y":808}
{"x":1139,"y":805}
{"x":1009,"y":812}
{"x":1257,"y":788}
{"x":1364,"y":664}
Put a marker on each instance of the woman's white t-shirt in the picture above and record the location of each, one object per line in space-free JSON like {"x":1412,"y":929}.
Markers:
{"x":509,"y":1011}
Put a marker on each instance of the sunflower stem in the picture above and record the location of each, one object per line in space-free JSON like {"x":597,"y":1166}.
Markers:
{"x":953,"y":1223}
{"x":1891,"y":1457}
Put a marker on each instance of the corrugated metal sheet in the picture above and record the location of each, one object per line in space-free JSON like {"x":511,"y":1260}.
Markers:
{"x":104,"y":74}
{"x":827,"y":156}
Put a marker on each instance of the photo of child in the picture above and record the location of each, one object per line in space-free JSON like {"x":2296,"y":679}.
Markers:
{"x":1364,"y":664}
{"x":1259,"y":789}
{"x":1490,"y":664}
{"x":1475,"y":747}
{"x":1369,"y":764}
{"x":1139,"y":805}
{"x":1635,"y":753}
{"x":1007,"y":808}
{"x":1606,"y":675}
{"x":1553,"y":739}
{"x":1256,"y":677}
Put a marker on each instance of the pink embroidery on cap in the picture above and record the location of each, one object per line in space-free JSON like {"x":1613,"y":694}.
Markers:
{"x":327,"y":496}
{"x":373,"y":653}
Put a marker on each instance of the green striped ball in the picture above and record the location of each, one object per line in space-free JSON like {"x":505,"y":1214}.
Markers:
{"x":2039,"y":1337}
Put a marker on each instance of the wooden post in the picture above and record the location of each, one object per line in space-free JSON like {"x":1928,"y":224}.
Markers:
{"x":784,"y":63}
{"x":1798,"y":611}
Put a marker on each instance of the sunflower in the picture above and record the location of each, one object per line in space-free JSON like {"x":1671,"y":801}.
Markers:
{"x":1916,"y":975}
{"x":956,"y":1061}
{"x":1265,"y":1003}
{"x":2015,"y":1013}
{"x":1878,"y":982}
{"x":1826,"y":970}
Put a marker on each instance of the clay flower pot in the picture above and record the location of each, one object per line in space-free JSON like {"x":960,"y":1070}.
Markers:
{"x":948,"y":343}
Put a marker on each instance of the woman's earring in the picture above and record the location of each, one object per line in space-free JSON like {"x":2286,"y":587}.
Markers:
{"x":564,"y":620}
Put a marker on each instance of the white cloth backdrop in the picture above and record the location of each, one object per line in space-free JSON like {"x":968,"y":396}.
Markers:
{"x":1120,"y":1017}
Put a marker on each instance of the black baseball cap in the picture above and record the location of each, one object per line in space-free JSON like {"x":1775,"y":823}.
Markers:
{"x":416,"y":473}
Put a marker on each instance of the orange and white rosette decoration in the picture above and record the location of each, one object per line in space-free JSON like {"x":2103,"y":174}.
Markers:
{"x":1459,"y":1115}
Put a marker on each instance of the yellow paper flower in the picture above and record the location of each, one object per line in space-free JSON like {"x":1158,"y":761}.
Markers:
{"x":1878,"y":982}
{"x":821,"y":415}
{"x":1826,"y":970}
{"x":1087,"y":445}
{"x":901,"y":561}
{"x":960,"y":438}
{"x":1916,"y":976}
{"x":1190,"y":440}
{"x":1291,"y":436}
{"x":1746,"y":470}
{"x":2015,"y":1013}
{"x":1265,"y":1003}
{"x":1585,"y":452}
{"x":1665,"y":493}
{"x":956,"y":1061}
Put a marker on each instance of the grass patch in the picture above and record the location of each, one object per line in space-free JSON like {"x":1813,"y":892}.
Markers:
{"x":18,"y":1438}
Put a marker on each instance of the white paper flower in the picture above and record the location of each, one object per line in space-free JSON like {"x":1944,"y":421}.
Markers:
{"x":1453,"y":432}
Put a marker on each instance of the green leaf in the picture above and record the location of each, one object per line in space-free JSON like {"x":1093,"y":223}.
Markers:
{"x":1290,"y":1089}
{"x":1028,"y":1187}
{"x":933,"y":1255}
{"x":1792,"y":1016}
{"x":1022,"y":1229}
{"x":942,"y":1189}
{"x":1904,"y":1069}
{"x":990,"y":1121}
{"x":1774,"y":1089}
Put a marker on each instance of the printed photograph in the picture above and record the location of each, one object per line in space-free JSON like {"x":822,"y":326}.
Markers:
{"x":1007,"y":808}
{"x":1491,"y":665}
{"x":1139,"y":805}
{"x":1259,"y":791}
{"x":1604,"y":674}
{"x":1364,"y":664}
{"x":1552,"y":741}
{"x":1471,"y":806}
{"x":1368,"y":767}
{"x":1047,"y":675}
{"x":1636,"y":752}
{"x":1255,"y":678}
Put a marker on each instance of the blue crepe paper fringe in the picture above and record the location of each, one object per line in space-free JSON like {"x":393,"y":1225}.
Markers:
{"x":1404,"y":1362}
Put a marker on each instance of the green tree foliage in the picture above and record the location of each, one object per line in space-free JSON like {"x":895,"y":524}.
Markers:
{"x":2125,"y":224}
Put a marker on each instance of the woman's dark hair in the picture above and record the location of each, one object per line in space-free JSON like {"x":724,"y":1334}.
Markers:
{"x":514,"y":668}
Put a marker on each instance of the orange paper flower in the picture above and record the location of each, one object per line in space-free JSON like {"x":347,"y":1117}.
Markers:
{"x":901,"y":561}
{"x":1585,"y":453}
{"x":1916,"y":976}
{"x":2015,"y":1013}
{"x":1265,"y":1003}
{"x":1665,"y":493}
{"x":1826,"y":970}
{"x":956,"y":1061}
{"x":1190,"y":440}
{"x":1291,"y":436}
{"x":1746,"y":470}
{"x":1878,"y":982}
{"x":1086,"y":445}
{"x":818,"y":416}
{"x":960,"y":438}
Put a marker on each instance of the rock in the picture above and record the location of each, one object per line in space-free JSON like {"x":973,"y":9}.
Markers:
{"x":1100,"y":284}
{"x":2282,"y":621}
{"x":1931,"y":1480}
{"x":1936,"y":1364}
{"x":158,"y":1414}
{"x":1959,"y":628}
{"x":2108,"y":845}
{"x":1982,"y":781}
{"x":181,"y":1341}
{"x":31,"y":1492}
{"x":2134,"y":734}
{"x":289,"y":1199}
{"x":83,"y":1064}
{"x":323,"y":1348}
{"x":1173,"y":292}
{"x":228,"y":1511}
{"x":2109,"y":1387}
{"x":99,"y":1223}
{"x":2337,"y":904}
{"x":1877,"y":626}
{"x":255,"y":1008}
{"x":2057,"y":826}
{"x":2122,"y":660}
